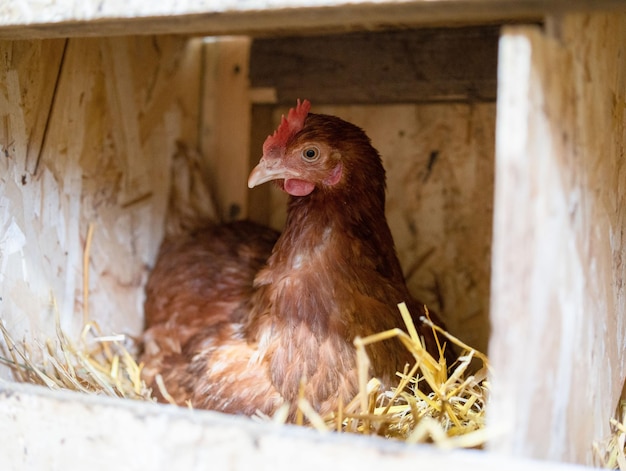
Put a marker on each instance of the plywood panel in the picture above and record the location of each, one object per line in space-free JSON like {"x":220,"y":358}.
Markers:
{"x":439,"y":162}
{"x":402,"y":66}
{"x":558,"y":300}
{"x":63,"y":18}
{"x":225,"y":123}
{"x":88,"y":130}
{"x":73,"y":432}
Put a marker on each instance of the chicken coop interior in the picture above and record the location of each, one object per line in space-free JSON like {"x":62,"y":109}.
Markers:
{"x":502,"y":129}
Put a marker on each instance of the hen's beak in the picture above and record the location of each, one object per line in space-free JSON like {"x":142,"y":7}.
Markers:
{"x":265,"y":172}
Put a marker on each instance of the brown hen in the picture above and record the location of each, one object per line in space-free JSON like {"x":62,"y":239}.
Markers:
{"x":238,"y":316}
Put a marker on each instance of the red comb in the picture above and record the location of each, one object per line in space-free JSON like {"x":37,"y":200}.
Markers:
{"x":288,"y":126}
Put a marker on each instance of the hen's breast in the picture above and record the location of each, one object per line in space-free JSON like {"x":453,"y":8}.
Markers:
{"x":197,"y":288}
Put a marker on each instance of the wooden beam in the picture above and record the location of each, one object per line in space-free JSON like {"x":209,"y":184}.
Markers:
{"x":75,"y":431}
{"x":558,"y":296}
{"x":225,"y":123}
{"x":405,"y":66}
{"x":64,"y":18}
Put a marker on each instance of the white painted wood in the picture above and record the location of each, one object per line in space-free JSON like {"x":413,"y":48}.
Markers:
{"x":87,"y":131}
{"x":63,"y":18}
{"x":42,"y":429}
{"x":557,"y":295}
{"x":116,"y":107}
{"x":225,"y":123}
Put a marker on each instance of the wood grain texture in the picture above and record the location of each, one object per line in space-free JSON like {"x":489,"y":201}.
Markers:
{"x":73,"y":432}
{"x":225,"y":123}
{"x":558,"y":300}
{"x":426,"y":65}
{"x":29,"y":19}
{"x":260,"y":197}
{"x":439,"y":162}
{"x":87,"y":130}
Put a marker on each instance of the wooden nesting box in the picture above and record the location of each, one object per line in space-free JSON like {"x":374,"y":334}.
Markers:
{"x":504,"y":147}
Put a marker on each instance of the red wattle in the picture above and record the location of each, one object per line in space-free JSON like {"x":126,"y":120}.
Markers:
{"x":296,"y":187}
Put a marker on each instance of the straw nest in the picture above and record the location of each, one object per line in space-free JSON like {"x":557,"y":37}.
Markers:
{"x":452,"y":415}
{"x":97,"y":364}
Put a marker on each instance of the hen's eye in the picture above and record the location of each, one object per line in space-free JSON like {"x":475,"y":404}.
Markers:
{"x":310,"y":154}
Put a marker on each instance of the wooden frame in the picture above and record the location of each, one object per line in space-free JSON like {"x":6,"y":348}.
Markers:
{"x":557,"y":288}
{"x":66,"y":18}
{"x":557,"y":300}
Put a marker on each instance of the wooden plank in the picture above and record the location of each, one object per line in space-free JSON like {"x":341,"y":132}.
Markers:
{"x":72,"y":431}
{"x":27,"y":111}
{"x":405,"y":66}
{"x":259,"y":198}
{"x":64,"y":18}
{"x":111,"y":127}
{"x":225,"y":123}
{"x":558,"y":295}
{"x":42,"y":83}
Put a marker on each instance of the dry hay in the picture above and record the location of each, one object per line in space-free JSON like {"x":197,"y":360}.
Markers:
{"x":611,"y":451}
{"x":97,"y":365}
{"x":452,"y":415}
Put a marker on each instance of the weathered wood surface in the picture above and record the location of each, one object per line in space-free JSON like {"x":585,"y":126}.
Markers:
{"x":439,"y":162}
{"x":426,"y":65}
{"x":64,"y":18}
{"x":87,"y":131}
{"x":73,"y":432}
{"x":225,"y":123}
{"x":558,"y":281}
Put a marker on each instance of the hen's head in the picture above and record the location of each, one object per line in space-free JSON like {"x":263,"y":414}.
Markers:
{"x":310,"y":152}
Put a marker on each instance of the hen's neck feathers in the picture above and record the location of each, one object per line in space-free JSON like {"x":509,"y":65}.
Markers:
{"x":336,"y":240}
{"x":340,"y":222}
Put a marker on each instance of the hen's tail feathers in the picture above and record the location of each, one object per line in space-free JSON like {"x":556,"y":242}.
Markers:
{"x":191,"y":204}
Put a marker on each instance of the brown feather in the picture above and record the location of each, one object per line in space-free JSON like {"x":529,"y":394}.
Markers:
{"x":232,"y":328}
